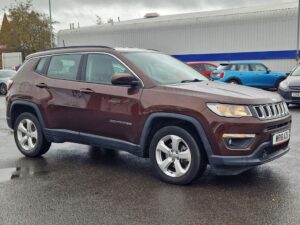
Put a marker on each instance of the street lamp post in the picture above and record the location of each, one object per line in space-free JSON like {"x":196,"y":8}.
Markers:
{"x":50,"y":21}
{"x":298,"y":30}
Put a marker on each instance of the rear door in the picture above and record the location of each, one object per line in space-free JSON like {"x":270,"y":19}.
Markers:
{"x":245,"y":74}
{"x":58,"y":90}
{"x":108,"y":110}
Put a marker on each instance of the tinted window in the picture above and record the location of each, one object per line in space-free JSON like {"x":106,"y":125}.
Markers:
{"x":258,"y":67}
{"x":243,"y":67}
{"x":40,"y":65}
{"x":162,"y":68}
{"x":210,"y":67}
{"x":100,"y":68}
{"x":224,"y":67}
{"x":198,"y":67}
{"x":64,"y":67}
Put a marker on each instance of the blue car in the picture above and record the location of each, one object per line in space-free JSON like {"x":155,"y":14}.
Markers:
{"x":248,"y":73}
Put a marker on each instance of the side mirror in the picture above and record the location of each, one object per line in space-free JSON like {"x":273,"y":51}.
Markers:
{"x":289,"y":73}
{"x":268,"y":71}
{"x":124,"y":79}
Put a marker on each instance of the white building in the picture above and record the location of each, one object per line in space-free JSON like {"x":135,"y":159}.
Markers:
{"x":266,"y":33}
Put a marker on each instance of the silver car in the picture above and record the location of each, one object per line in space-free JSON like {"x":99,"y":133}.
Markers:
{"x":5,"y":75}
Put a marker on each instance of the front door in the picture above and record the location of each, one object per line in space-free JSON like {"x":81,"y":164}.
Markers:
{"x":108,"y":110}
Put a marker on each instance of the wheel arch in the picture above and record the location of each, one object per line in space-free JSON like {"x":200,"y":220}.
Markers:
{"x":19,"y":106}
{"x":173,"y":119}
{"x":234,"y":78}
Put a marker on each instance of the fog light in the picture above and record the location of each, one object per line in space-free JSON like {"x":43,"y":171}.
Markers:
{"x":238,"y":141}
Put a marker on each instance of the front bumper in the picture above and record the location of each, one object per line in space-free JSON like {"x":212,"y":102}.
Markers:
{"x":233,"y":165}
{"x":287,"y":96}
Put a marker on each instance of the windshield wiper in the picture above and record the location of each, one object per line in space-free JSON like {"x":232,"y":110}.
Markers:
{"x":190,"y":81}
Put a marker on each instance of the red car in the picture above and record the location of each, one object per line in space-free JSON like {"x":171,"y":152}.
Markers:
{"x":203,"y":68}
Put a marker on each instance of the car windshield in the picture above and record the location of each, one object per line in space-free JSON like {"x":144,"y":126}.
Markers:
{"x":296,"y":72}
{"x":7,"y":73}
{"x":164,"y":69}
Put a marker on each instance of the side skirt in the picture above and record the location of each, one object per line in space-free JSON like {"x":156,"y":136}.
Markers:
{"x":60,"y":136}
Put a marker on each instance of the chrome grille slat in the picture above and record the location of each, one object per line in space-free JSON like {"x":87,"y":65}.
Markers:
{"x":271,"y":111}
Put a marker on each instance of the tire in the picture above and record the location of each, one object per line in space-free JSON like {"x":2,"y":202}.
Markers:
{"x":3,"y":89}
{"x":233,"y":81}
{"x":27,"y":129}
{"x":182,"y":166}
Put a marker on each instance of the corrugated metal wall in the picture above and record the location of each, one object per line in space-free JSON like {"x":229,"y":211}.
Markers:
{"x":267,"y":30}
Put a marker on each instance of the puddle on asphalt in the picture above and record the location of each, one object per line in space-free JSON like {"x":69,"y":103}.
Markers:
{"x":18,"y":172}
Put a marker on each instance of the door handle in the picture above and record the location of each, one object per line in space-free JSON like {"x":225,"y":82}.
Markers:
{"x":42,"y":85}
{"x":86,"y":91}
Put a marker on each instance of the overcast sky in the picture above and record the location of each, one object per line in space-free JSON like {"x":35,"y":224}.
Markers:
{"x":84,"y":11}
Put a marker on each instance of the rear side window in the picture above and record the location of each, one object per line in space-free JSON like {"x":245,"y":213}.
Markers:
{"x":40,"y":66}
{"x":243,"y":67}
{"x":64,"y":67}
{"x":198,"y":67}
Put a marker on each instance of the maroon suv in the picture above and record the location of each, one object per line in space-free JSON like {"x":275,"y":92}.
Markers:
{"x":146,"y":103}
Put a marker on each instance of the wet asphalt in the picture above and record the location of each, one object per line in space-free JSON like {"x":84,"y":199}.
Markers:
{"x":77,"y":184}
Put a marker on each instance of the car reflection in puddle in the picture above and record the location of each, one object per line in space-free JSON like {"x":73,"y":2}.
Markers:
{"x":19,"y":172}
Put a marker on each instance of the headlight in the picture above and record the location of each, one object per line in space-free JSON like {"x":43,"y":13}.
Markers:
{"x":283,"y":85}
{"x":229,"y":110}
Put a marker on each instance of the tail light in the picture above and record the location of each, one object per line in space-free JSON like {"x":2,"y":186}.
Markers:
{"x":222,"y":75}
{"x":9,"y":84}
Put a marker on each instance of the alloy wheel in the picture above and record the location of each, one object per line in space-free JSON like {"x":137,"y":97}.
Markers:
{"x":27,"y":135}
{"x":173,"y":156}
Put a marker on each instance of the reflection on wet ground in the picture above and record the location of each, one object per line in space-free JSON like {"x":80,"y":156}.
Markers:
{"x":77,"y":184}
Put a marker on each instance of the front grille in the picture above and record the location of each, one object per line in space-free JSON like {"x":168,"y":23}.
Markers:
{"x":271,"y":111}
{"x":295,"y":88}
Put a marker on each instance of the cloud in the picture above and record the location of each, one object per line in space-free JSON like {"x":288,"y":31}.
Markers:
{"x":84,"y":12}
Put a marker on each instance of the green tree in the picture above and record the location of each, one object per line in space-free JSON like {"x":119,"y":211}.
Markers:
{"x":5,"y":31}
{"x":29,"y":30}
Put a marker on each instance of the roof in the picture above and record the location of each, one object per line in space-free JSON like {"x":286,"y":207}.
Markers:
{"x":199,"y":15}
{"x":244,"y":62}
{"x":74,"y":49}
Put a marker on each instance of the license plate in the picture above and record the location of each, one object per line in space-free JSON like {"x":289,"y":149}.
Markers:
{"x":296,"y":94}
{"x":281,"y":137}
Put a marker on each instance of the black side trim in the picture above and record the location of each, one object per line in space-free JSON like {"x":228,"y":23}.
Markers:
{"x":60,"y":136}
{"x":192,"y":120}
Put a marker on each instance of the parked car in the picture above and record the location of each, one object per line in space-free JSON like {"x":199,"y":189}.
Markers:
{"x":249,"y":74}
{"x":203,"y":68}
{"x":148,"y":104}
{"x":289,"y":89}
{"x":5,"y":75}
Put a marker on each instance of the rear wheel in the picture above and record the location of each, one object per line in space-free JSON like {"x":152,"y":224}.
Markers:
{"x":3,"y":89}
{"x":29,"y":136}
{"x":233,"y":81}
{"x":176,"y":156}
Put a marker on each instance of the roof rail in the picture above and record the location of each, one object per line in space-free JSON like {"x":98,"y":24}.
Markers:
{"x":83,"y":46}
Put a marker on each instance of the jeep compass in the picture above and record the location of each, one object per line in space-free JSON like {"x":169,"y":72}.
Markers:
{"x":148,"y":104}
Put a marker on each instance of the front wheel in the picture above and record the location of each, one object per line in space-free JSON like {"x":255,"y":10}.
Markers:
{"x":29,"y":136}
{"x":176,"y":156}
{"x":3,"y":89}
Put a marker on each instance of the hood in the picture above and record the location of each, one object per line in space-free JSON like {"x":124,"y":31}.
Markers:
{"x":293,"y":81}
{"x":218,"y":92}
